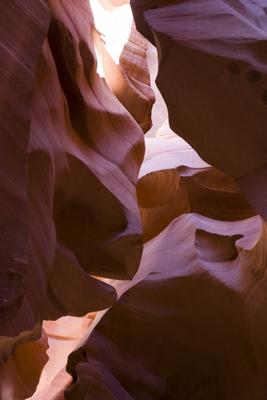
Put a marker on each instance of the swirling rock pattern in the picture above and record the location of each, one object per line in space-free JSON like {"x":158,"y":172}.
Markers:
{"x":74,"y":176}
{"x":217,"y":53}
{"x":87,"y":218}
{"x":188,"y":325}
{"x":178,"y":338}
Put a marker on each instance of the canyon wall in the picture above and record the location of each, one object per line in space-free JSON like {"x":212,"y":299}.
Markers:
{"x":153,"y":249}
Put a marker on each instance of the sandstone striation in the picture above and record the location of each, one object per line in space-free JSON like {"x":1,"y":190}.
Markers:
{"x":136,"y":263}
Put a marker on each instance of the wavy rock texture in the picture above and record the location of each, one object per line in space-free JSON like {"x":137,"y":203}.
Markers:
{"x":192,"y":322}
{"x":216,"y":50}
{"x":133,"y":62}
{"x":169,"y":235}
{"x":71,"y":200}
{"x":124,"y":63}
{"x":188,"y":325}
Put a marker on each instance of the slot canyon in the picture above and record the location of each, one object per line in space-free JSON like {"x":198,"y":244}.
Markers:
{"x":133,"y":173}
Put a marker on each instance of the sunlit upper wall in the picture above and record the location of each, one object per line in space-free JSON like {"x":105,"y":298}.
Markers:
{"x":114,"y":23}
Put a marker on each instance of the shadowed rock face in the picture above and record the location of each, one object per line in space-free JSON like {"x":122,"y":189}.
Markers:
{"x":174,"y":339}
{"x":188,"y":325}
{"x":21,"y":46}
{"x":164,"y":195}
{"x":71,"y":156}
{"x":176,"y":240}
{"x":190,"y":329}
{"x":217,"y":54}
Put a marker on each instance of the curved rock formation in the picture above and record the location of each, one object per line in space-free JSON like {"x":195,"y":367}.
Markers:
{"x":162,"y":247}
{"x":191,"y":324}
{"x":187,"y":327}
{"x":75,"y":174}
{"x":20,"y":374}
{"x":216,"y":52}
{"x":124,"y":65}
